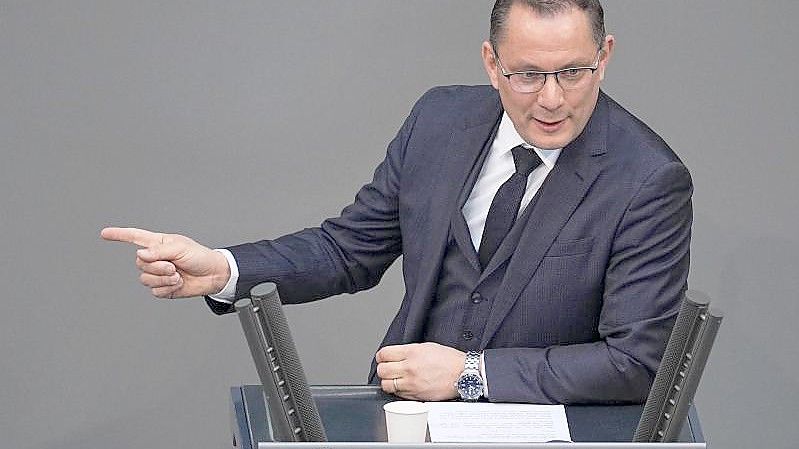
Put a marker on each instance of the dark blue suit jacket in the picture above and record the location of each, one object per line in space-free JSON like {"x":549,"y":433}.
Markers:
{"x":592,"y":287}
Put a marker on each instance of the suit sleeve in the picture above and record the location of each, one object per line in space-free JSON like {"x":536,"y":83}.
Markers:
{"x":645,"y":279}
{"x":345,"y":254}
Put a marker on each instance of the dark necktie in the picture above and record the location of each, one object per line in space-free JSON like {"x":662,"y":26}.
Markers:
{"x":505,"y":205}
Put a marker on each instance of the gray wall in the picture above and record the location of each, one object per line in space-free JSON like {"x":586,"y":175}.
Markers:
{"x":234,"y":121}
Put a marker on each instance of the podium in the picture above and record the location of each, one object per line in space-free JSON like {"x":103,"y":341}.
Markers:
{"x":355,"y":414}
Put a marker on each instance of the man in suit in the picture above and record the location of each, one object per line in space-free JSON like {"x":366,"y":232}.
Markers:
{"x":544,"y":230}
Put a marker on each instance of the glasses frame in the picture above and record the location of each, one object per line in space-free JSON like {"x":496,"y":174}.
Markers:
{"x":554,"y":73}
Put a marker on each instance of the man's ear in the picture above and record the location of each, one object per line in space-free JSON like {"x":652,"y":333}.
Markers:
{"x":610,"y":43}
{"x":490,"y":64}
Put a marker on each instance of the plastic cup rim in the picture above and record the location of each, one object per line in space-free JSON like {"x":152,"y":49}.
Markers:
{"x":405,"y":407}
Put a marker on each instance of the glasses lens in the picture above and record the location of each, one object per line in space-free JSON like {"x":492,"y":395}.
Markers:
{"x":573,"y":78}
{"x":527,"y":82}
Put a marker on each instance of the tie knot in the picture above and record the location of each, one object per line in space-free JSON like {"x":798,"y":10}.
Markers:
{"x":526,"y":160}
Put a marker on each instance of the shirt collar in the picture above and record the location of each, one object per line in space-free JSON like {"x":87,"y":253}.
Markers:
{"x":508,"y":138}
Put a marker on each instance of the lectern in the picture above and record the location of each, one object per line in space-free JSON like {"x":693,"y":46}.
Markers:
{"x":354,"y":414}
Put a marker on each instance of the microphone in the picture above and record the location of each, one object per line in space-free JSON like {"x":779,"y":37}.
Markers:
{"x":680,"y":369}
{"x":292,"y":411}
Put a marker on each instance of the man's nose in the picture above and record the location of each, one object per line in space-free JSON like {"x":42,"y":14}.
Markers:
{"x":551,"y":95}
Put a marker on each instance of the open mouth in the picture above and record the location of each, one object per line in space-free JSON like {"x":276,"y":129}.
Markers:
{"x":549,"y":125}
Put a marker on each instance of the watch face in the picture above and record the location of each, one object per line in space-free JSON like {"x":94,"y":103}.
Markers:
{"x":470,"y":386}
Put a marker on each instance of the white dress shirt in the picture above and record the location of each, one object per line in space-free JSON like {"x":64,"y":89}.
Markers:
{"x":497,"y":168}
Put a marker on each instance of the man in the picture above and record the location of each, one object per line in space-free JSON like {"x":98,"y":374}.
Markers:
{"x":543,"y":229}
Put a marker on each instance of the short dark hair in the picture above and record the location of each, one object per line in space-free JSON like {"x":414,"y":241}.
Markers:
{"x":548,"y":8}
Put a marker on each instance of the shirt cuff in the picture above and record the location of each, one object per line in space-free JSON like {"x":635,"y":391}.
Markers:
{"x":483,"y":375}
{"x":228,"y":292}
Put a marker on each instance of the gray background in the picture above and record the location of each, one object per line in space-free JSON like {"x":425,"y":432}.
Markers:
{"x":235,"y":121}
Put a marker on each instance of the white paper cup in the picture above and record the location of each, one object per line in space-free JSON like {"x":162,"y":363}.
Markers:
{"x":406,"y":421}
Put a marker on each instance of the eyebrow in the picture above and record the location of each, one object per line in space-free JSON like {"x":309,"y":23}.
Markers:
{"x":534,"y":68}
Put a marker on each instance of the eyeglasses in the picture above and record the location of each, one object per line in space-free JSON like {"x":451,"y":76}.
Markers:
{"x":532,"y":81}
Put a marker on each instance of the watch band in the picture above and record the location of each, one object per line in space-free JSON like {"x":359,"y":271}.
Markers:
{"x":472,"y":361}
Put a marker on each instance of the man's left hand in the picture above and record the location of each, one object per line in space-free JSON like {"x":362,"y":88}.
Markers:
{"x":420,"y":371}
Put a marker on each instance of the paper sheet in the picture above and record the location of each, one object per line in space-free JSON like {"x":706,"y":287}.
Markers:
{"x":463,"y":422}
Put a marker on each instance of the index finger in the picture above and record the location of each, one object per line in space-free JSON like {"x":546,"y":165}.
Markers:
{"x":393,"y":353}
{"x":141,"y":237}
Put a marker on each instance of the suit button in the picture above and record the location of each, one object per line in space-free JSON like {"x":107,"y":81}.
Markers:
{"x":468,"y":335}
{"x":477,"y":298}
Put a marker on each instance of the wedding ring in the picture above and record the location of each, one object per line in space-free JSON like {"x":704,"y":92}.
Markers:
{"x":396,"y":388}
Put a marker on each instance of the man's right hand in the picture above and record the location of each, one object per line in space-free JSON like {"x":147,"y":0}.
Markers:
{"x":172,"y":265}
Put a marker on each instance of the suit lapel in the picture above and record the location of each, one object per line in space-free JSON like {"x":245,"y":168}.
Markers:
{"x":460,"y":229}
{"x":457,"y":160}
{"x":564,"y":189}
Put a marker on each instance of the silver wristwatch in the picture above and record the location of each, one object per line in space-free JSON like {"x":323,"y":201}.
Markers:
{"x":470,"y":382}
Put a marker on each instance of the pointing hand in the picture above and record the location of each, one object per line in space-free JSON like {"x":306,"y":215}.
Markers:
{"x":172,"y":265}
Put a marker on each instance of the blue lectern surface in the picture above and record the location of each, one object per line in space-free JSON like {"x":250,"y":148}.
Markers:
{"x":355,"y":414}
